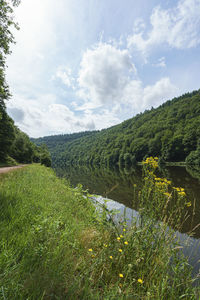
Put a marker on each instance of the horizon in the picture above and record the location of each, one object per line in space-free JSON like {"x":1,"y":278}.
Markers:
{"x":99,"y":130}
{"x":75,"y":67}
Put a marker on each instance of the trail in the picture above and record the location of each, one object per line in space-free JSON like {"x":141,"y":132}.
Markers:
{"x":8,"y":169}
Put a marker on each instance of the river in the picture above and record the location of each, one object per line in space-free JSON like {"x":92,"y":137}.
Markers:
{"x":118,"y":185}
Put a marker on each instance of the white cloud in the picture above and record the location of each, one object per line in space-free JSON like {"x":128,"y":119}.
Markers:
{"x":161,"y":63}
{"x":65,"y":74}
{"x":40,"y":117}
{"x":107,"y":78}
{"x":178,"y":27}
{"x":140,"y":97}
{"x":104,"y":72}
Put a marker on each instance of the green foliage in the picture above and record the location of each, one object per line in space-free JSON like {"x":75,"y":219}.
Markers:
{"x":171,"y":132}
{"x":193,"y":159}
{"x":56,"y":245}
{"x":13,"y":142}
{"x":6,"y":133}
{"x":16,"y":144}
{"x":6,"y":38}
{"x":45,"y":158}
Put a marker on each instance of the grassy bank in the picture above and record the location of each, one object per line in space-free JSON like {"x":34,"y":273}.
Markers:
{"x":56,"y":245}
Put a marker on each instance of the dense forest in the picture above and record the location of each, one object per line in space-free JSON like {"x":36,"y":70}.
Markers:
{"x":171,"y":132}
{"x":15,"y":146}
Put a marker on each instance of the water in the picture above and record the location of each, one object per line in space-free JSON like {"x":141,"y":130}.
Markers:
{"x":118,"y":186}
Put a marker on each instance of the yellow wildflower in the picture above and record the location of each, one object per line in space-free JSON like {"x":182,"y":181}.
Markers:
{"x":105,"y":245}
{"x":167,"y":194}
{"x":93,"y":256}
{"x":120,"y":250}
{"x":110,"y":257}
{"x":140,"y":280}
{"x":121,"y":236}
{"x":121,"y":275}
{"x":126,"y":243}
{"x":182,"y":193}
{"x":124,"y":229}
{"x":118,"y":238}
{"x":90,"y":250}
{"x":189,"y":204}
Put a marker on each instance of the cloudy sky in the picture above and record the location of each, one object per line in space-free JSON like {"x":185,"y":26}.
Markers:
{"x":89,"y":64}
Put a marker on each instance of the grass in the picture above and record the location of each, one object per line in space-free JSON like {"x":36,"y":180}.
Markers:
{"x":56,"y":245}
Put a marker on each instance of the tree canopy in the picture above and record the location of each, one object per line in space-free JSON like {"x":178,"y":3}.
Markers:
{"x":170,"y":131}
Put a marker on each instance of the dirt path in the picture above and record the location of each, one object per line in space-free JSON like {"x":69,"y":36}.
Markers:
{"x":8,"y":169}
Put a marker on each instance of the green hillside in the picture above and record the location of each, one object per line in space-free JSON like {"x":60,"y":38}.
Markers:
{"x":170,"y":131}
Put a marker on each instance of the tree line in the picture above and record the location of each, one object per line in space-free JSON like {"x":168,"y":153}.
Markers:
{"x":15,"y":146}
{"x":171,"y":132}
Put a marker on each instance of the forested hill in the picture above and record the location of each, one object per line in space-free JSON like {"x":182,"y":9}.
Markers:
{"x":171,"y":131}
{"x":59,"y":141}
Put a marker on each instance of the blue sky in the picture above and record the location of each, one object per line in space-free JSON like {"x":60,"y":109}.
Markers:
{"x":85,"y":64}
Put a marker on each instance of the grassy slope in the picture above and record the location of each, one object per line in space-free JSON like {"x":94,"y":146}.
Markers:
{"x":47,"y":229}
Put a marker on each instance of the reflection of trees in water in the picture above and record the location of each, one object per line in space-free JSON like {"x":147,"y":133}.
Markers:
{"x":112,"y":183}
{"x":117,"y":184}
{"x":194,"y":172}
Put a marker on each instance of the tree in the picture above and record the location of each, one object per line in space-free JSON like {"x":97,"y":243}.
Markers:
{"x":7,"y":133}
{"x":6,"y":38}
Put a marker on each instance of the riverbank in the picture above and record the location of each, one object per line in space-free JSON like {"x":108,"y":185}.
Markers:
{"x":57,"y":245}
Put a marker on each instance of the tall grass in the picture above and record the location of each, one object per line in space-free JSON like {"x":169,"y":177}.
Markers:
{"x":56,"y":245}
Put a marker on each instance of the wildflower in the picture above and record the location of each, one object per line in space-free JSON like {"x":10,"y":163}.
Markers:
{"x":118,"y":238}
{"x":189,"y":204}
{"x":121,"y":236}
{"x":105,"y":245}
{"x":124,"y":229}
{"x":126,"y":243}
{"x":167,"y":194}
{"x":93,"y":255}
{"x":120,"y":250}
{"x":121,"y":275}
{"x":90,"y":250}
{"x":110,"y":257}
{"x":140,"y":280}
{"x":182,"y":193}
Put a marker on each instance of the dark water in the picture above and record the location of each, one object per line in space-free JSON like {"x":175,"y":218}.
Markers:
{"x":118,"y":186}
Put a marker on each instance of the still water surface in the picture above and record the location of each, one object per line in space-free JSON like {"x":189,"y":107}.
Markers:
{"x":118,"y":186}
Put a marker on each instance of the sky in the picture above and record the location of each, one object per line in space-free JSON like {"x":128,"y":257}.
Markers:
{"x":82,"y":65}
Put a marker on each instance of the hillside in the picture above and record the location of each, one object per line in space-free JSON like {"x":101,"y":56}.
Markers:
{"x":170,"y":131}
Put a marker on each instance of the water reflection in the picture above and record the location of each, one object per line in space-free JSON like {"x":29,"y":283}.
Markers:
{"x":118,"y":185}
{"x":191,"y":246}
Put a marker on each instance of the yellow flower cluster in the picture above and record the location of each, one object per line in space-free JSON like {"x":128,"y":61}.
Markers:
{"x":140,"y":280}
{"x":151,"y":161}
{"x":180,"y":191}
